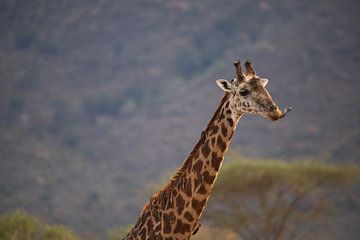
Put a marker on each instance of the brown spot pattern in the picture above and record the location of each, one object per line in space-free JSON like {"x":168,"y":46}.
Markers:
{"x":202,"y":190}
{"x":221,"y":144}
{"x":197,"y":227}
{"x":214,"y":130}
{"x":231,"y":134}
{"x":196,"y":182}
{"x":213,"y":141}
{"x":198,"y":205}
{"x":170,"y":203}
{"x":188,"y":216}
{"x":223,"y":130}
{"x":181,"y":227}
{"x":206,"y":149}
{"x":209,"y":179}
{"x":222,"y":116}
{"x":151,"y":234}
{"x":167,"y":223}
{"x":142,"y":233}
{"x":231,"y":122}
{"x":188,"y":189}
{"x":157,"y":228}
{"x":149,"y":224}
{"x":198,"y":166}
{"x":215,"y":161}
{"x":180,"y":204}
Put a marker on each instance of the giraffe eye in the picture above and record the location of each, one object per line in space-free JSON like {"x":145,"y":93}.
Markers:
{"x":244,"y":92}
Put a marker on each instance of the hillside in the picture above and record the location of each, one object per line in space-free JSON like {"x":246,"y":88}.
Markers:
{"x":98,"y":98}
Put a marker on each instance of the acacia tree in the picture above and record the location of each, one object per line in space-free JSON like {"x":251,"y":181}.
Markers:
{"x":271,"y":200}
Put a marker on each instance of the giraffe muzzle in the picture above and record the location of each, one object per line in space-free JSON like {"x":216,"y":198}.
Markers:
{"x":278,"y":114}
{"x":288,"y":109}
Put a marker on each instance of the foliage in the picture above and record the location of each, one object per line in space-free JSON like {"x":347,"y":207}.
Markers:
{"x":21,"y":226}
{"x":269,"y":199}
{"x":118,"y":232}
{"x":215,"y":233}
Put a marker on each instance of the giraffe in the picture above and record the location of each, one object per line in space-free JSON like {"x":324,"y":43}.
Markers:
{"x":174,"y":212}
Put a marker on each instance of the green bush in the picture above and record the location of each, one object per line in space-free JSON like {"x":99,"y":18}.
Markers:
{"x":119,"y":232}
{"x":21,"y":226}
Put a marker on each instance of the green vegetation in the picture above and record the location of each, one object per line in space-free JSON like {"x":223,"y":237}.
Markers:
{"x":252,"y":199}
{"x":270,"y":199}
{"x":118,"y":232}
{"x":21,"y":226}
{"x":215,"y":233}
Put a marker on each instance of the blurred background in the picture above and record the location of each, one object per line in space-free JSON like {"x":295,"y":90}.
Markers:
{"x":100,"y":99}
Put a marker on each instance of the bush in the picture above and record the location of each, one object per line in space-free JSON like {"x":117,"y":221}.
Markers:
{"x":21,"y":226}
{"x":118,"y":232}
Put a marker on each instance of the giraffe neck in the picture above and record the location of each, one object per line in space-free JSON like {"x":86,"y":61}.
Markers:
{"x":201,"y":168}
{"x":174,"y":212}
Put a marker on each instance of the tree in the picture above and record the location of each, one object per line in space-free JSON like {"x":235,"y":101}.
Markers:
{"x":272,"y":200}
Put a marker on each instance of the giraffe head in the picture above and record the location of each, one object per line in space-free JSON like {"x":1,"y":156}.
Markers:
{"x":249,"y":95}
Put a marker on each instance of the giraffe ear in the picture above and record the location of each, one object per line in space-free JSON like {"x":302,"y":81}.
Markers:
{"x":224,"y":85}
{"x":264,"y":81}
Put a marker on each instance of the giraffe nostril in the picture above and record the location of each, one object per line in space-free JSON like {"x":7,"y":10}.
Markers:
{"x":272,"y":108}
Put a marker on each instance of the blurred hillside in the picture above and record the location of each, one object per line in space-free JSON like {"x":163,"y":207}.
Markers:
{"x":99,"y":97}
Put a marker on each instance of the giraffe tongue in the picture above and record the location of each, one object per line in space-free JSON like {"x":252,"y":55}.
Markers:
{"x":285,"y":112}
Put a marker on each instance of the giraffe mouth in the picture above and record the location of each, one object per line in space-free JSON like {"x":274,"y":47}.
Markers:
{"x":278,"y":114}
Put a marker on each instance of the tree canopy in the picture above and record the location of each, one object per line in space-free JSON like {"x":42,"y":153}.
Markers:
{"x":270,"y":199}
